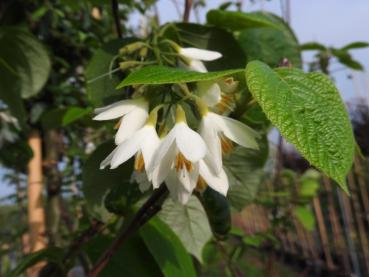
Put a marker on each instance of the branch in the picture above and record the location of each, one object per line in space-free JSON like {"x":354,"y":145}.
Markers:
{"x":147,"y":211}
{"x":115,"y":10}
{"x":186,"y":14}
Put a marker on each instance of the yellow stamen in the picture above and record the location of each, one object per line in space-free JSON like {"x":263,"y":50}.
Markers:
{"x":226,"y":103}
{"x":201,"y":184}
{"x":227,"y":145}
{"x":182,"y":162}
{"x":117,"y":125}
{"x":139,"y":163}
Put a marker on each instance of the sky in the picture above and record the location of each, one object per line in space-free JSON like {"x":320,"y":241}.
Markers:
{"x":331,"y":22}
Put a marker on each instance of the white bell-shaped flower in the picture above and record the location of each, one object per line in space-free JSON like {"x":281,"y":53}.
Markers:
{"x":218,"y":182}
{"x":143,"y":144}
{"x":218,"y":132}
{"x":177,"y":159}
{"x":133,"y":114}
{"x":195,"y":56}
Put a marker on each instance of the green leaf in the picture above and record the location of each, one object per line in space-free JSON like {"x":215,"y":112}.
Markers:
{"x":271,"y":45}
{"x":97,"y":183}
{"x":167,"y":249}
{"x":10,"y":93}
{"x":355,"y":45}
{"x":244,"y":168}
{"x":309,"y":184}
{"x":211,"y":38}
{"x":309,"y":112}
{"x":305,"y":216}
{"x":132,"y":259}
{"x":159,"y":75}
{"x":218,"y":211}
{"x":73,"y":114}
{"x":237,"y":20}
{"x":189,"y":223}
{"x":345,"y":58}
{"x":27,"y":58}
{"x":313,"y":46}
{"x":51,"y":254}
{"x":100,"y":84}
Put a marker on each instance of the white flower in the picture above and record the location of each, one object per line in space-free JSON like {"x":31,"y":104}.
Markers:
{"x":142,"y":144}
{"x":218,"y":182}
{"x":177,"y":160}
{"x":218,"y":132}
{"x":133,"y":114}
{"x":194,"y":56}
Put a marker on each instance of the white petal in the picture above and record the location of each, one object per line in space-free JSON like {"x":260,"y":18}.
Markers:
{"x":117,"y":109}
{"x":236,"y":131}
{"x":127,"y":149}
{"x":196,"y":65}
{"x":209,"y":133}
{"x":131,"y":122}
{"x":163,"y":149}
{"x":149,"y":145}
{"x":189,"y":143}
{"x":209,"y":92}
{"x":164,"y":166}
{"x":199,"y":54}
{"x":107,"y":160}
{"x":217,"y":182}
{"x":176,"y":190}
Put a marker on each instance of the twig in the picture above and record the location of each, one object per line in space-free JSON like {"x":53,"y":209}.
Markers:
{"x":115,"y":10}
{"x":147,"y":211}
{"x":187,"y":10}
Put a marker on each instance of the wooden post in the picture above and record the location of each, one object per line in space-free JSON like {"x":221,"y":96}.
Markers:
{"x":36,"y":215}
{"x":339,"y":241}
{"x":323,"y":233}
{"x":363,"y":188}
{"x":359,"y":220}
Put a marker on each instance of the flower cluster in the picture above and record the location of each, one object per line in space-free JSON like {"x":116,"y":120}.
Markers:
{"x":177,"y":155}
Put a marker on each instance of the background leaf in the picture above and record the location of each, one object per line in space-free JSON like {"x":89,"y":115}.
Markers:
{"x":305,"y":216}
{"x":244,"y":168}
{"x":167,"y":249}
{"x":189,"y":223}
{"x":238,"y":20}
{"x":132,"y":259}
{"x":27,"y":57}
{"x":100,"y":85}
{"x":309,"y":112}
{"x":97,"y":183}
{"x":271,"y":45}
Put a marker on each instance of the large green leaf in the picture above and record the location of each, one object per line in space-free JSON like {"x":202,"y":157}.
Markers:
{"x":211,"y":38}
{"x":309,"y":112}
{"x":238,"y":20}
{"x":131,"y":259}
{"x":244,"y":168}
{"x":100,"y":84}
{"x":97,"y":183}
{"x":10,"y":93}
{"x":159,"y":75}
{"x":189,"y":222}
{"x":26,"y":56}
{"x":271,"y":45}
{"x":51,"y":254}
{"x":167,"y":249}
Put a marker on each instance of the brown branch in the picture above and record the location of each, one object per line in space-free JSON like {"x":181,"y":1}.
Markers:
{"x":187,"y":10}
{"x":147,"y":211}
{"x":115,"y":10}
